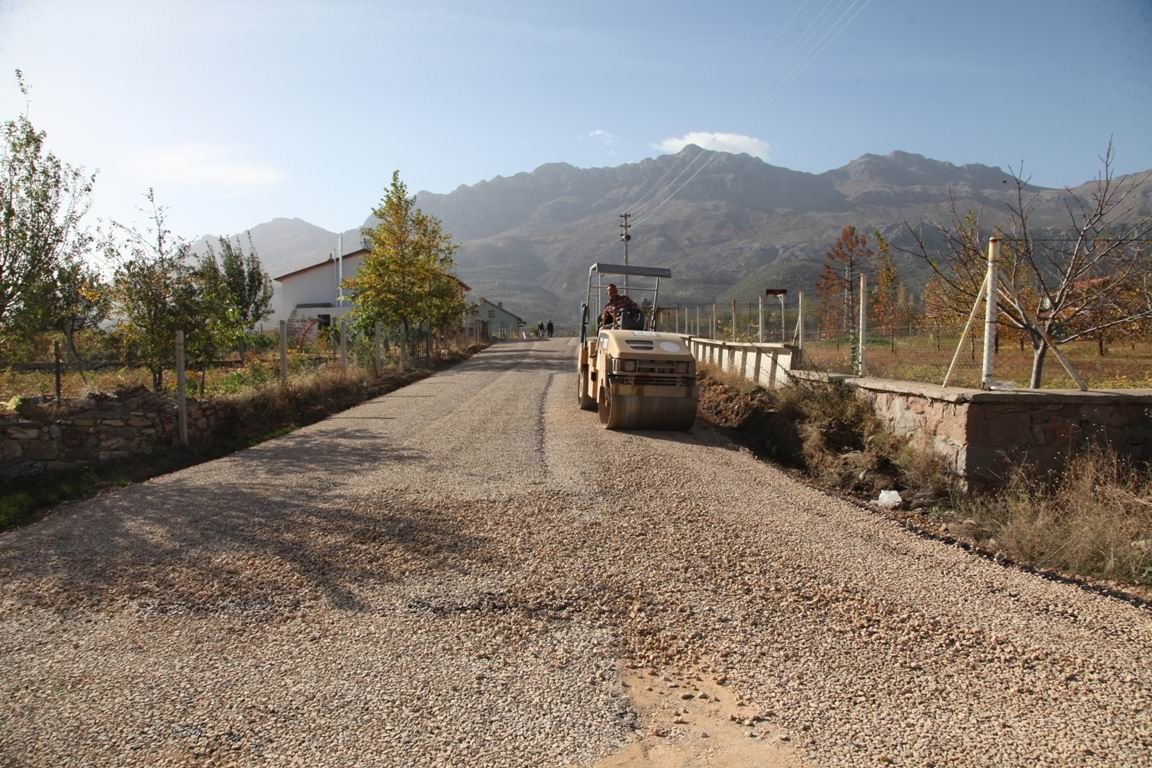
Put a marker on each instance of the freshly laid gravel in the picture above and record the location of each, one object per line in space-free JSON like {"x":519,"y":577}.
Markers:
{"x":468,"y":570}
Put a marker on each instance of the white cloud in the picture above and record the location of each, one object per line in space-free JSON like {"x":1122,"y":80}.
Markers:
{"x":207,"y":164}
{"x":720,"y":142}
{"x":602,"y":135}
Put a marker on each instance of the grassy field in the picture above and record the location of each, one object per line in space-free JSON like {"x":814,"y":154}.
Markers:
{"x":260,"y":370}
{"x":921,"y":358}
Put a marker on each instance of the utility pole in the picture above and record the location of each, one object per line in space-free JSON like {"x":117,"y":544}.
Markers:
{"x":625,"y":236}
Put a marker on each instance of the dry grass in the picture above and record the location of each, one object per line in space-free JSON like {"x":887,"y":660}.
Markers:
{"x":920,"y":358}
{"x":1094,"y":518}
{"x":827,"y":431}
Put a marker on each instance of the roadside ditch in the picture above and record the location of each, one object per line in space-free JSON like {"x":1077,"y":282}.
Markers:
{"x":1090,"y":525}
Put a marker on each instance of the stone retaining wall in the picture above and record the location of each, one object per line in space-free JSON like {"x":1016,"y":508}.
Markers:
{"x":981,"y":434}
{"x":82,"y":432}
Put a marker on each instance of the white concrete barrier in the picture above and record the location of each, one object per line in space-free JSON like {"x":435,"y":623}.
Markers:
{"x":765,"y":364}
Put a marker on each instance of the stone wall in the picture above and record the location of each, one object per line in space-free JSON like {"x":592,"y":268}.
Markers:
{"x":981,"y":434}
{"x":50,"y":437}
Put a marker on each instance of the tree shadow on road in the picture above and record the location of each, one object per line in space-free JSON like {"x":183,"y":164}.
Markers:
{"x":266,"y":531}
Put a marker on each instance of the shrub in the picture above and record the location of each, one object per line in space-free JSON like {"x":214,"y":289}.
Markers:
{"x":1094,"y":517}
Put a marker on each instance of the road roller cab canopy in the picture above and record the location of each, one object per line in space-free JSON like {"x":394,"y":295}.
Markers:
{"x":650,"y":285}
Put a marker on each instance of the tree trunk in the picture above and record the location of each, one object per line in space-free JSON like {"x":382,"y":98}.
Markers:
{"x":70,"y":338}
{"x":1039,"y":350}
{"x":1101,"y":350}
{"x":242,"y":349}
{"x":157,"y":379}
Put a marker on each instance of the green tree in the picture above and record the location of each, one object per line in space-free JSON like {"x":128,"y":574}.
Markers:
{"x":78,"y":299}
{"x":405,"y":280}
{"x":158,"y":290}
{"x":244,"y":288}
{"x":42,"y":203}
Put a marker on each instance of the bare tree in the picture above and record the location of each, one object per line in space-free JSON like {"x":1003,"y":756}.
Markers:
{"x":1060,"y":283}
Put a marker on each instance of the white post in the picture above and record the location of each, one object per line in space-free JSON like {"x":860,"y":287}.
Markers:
{"x":283,"y":352}
{"x":863,"y":330}
{"x":800,"y":320}
{"x":990,"y":287}
{"x":343,"y":345}
{"x":181,"y":394}
{"x":783,"y":327}
{"x":760,"y":319}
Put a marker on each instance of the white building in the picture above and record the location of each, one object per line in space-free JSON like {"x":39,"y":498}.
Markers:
{"x":492,"y":321}
{"x":312,"y":294}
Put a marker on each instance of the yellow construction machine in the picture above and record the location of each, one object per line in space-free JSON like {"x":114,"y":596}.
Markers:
{"x":634,"y":375}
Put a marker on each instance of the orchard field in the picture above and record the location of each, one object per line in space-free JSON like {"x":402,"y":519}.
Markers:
{"x":1126,"y":365}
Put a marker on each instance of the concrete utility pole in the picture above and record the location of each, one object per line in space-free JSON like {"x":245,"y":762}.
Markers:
{"x":625,"y":237}
{"x":760,"y":319}
{"x":990,"y":285}
{"x":860,"y":370}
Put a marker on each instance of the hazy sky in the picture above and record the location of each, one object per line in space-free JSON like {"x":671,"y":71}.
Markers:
{"x":240,"y":112}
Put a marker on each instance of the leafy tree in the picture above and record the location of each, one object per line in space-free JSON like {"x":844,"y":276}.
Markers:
{"x":843,"y":262}
{"x":157,"y":291}
{"x":245,"y":288}
{"x":79,"y":299}
{"x":1058,"y":285}
{"x":830,"y":292}
{"x":885,"y":295}
{"x":42,"y":203}
{"x":405,"y":281}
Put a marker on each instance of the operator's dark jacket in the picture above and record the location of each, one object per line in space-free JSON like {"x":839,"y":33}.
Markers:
{"x":616,"y":306}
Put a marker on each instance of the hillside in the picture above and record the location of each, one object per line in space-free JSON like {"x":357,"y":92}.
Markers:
{"x":727,"y":225}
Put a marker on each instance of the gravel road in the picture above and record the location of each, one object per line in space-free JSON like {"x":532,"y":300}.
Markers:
{"x":469,"y":571}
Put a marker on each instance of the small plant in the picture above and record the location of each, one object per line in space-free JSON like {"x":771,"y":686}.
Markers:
{"x":1094,"y":517}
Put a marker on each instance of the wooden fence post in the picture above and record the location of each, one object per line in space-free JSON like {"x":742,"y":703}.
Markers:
{"x":59,"y":373}
{"x":181,"y":394}
{"x":377,"y":348}
{"x":343,"y":345}
{"x":283,"y":353}
{"x":733,"y":319}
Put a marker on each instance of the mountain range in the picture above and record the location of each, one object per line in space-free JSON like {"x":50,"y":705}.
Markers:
{"x":728,"y":225}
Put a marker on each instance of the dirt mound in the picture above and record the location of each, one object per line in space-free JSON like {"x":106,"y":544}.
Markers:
{"x":754,"y":420}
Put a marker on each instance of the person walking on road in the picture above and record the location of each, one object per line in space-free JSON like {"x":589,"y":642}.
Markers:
{"x":551,"y":328}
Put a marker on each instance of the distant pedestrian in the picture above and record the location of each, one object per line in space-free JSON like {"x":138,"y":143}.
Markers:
{"x":540,"y":330}
{"x":550,"y":329}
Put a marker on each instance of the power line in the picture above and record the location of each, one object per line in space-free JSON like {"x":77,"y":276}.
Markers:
{"x":669,"y":197}
{"x":821,"y":45}
{"x":651,"y":203}
{"x":800,"y":41}
{"x":651,"y":193}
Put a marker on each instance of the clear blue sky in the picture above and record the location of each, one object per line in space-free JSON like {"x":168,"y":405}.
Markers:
{"x":240,"y":112}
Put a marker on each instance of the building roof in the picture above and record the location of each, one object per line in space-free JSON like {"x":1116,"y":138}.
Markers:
{"x":483,"y":300}
{"x":327,"y":261}
{"x":357,"y":252}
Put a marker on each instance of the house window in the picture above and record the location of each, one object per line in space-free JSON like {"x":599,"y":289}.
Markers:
{"x":491,"y":314}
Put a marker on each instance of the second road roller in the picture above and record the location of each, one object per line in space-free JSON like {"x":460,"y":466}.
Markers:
{"x":634,"y":375}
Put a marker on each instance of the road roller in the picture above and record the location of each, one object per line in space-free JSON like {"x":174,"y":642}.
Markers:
{"x":632,"y":374}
